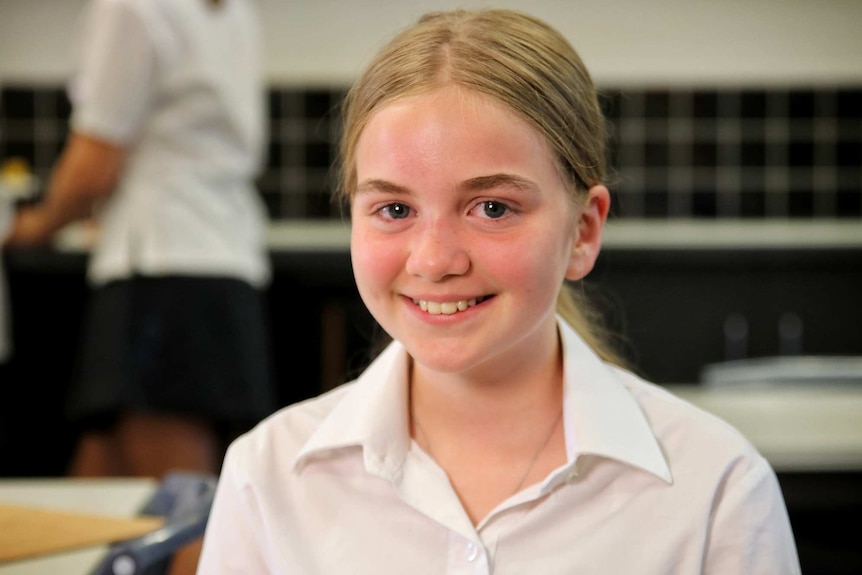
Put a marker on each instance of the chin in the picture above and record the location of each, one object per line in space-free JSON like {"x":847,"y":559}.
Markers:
{"x":449,"y":359}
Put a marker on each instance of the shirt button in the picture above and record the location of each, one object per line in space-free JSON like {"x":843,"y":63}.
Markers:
{"x":472,"y":552}
{"x":571,"y":477}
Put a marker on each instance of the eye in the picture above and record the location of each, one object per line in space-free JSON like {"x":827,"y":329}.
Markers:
{"x":493,"y":209}
{"x":395,"y":211}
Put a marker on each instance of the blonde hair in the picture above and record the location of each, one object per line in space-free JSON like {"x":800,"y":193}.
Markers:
{"x":517,"y":60}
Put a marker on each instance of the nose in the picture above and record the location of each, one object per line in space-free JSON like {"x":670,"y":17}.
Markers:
{"x":437,"y":251}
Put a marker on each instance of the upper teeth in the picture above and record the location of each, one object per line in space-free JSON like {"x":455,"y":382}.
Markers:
{"x":444,"y":307}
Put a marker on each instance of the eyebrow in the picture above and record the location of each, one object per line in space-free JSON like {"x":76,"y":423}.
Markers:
{"x":377,"y":185}
{"x":499,"y":181}
{"x":477,"y":184}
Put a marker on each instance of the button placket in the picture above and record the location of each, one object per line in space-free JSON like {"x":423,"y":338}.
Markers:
{"x":467,"y":556}
{"x":472,"y":552}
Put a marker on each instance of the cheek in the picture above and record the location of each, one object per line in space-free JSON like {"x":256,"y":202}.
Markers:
{"x":536,"y":266}
{"x":376,"y":264}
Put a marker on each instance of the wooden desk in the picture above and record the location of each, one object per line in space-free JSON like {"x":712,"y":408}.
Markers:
{"x":112,"y":497}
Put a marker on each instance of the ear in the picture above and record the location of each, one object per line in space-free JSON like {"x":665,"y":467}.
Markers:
{"x":588,"y":233}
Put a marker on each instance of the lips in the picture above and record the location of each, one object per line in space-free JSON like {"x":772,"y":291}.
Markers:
{"x":447,"y":307}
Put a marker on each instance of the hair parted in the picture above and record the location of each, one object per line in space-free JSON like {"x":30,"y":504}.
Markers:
{"x":507,"y":55}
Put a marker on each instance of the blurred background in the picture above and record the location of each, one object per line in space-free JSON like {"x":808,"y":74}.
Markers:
{"x":736,"y":233}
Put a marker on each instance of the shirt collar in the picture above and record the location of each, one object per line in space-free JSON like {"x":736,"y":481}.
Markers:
{"x":600,"y":415}
{"x":372,"y":415}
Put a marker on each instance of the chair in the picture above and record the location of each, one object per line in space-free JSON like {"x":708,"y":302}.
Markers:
{"x":184,"y":499}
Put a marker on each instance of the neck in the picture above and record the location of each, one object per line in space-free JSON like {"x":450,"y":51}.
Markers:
{"x":528,"y":393}
{"x":491,"y":441}
{"x":456,"y":407}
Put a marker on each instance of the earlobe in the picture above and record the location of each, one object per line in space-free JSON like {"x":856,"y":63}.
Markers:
{"x":588,"y":240}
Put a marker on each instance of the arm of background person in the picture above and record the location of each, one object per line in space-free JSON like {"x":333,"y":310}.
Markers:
{"x":111,"y":97}
{"x":86,"y":173}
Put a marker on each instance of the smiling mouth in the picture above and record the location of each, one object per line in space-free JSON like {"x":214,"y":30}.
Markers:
{"x":447,"y":307}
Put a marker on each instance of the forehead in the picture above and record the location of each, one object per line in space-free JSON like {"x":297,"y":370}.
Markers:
{"x":447,"y":128}
{"x":451,"y":103}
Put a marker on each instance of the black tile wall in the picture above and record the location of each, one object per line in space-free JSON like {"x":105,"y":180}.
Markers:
{"x":303,"y":134}
{"x":676,"y":153}
{"x":740,"y":153}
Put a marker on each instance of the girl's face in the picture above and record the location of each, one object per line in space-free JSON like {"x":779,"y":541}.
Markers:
{"x":462,"y":233}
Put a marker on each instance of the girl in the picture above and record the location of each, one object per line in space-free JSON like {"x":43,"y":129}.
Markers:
{"x":495,"y":434}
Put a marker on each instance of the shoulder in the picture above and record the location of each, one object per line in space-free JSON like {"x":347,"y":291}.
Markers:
{"x":124,"y":7}
{"x":690,"y":436}
{"x":274,"y":443}
{"x":125,"y":17}
{"x":105,"y":11}
{"x":150,"y":12}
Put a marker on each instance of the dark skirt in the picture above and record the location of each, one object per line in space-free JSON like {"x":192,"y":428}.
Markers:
{"x":195,"y":346}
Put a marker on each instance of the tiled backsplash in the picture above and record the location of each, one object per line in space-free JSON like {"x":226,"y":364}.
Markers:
{"x":676,"y":153}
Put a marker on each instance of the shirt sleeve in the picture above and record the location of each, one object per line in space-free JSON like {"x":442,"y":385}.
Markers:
{"x":750,"y":531}
{"x":233,"y":541}
{"x":113,"y":90}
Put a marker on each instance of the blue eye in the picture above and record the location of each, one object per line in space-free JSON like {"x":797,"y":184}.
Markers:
{"x":494,"y":209}
{"x":395,"y":211}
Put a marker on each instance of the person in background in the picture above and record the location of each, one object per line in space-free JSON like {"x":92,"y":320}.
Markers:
{"x":6,"y":215}
{"x":167,"y":136}
{"x":17,"y":183}
{"x":496,"y":433}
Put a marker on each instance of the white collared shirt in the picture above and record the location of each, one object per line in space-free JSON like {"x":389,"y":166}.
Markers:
{"x":181,"y":86}
{"x":652,"y":485}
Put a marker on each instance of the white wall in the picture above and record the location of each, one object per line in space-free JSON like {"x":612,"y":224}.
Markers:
{"x":624,"y":42}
